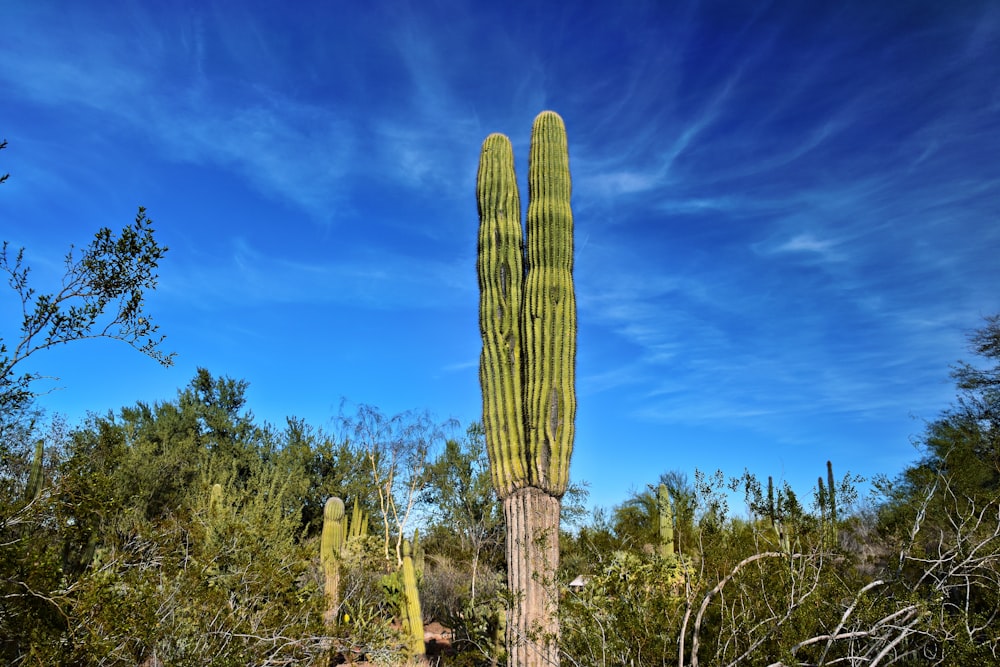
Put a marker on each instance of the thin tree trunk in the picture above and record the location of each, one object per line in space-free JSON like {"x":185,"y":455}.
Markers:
{"x":532,"y":560}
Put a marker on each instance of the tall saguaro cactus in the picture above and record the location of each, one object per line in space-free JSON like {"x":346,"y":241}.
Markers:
{"x":527,"y":316}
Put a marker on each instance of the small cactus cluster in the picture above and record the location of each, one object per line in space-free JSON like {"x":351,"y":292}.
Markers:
{"x":338,"y":533}
{"x":827,"y":497}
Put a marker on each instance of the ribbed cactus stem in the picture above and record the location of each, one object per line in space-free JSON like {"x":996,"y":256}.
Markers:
{"x":331,"y":547}
{"x":500,"y":265}
{"x":548,"y":321}
{"x":667,"y":547}
{"x":413,"y":623}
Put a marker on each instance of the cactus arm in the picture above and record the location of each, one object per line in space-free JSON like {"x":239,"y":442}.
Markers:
{"x":549,"y":320}
{"x":500,"y":269}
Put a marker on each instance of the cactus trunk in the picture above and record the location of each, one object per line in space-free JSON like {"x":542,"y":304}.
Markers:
{"x":527,"y":317}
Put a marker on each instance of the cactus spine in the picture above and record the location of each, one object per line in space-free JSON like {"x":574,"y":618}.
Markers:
{"x":527,"y":317}
{"x":667,"y":547}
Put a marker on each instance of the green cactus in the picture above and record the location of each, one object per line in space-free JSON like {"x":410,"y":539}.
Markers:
{"x":821,"y":497}
{"x":358,"y":526}
{"x":771,"y":510}
{"x":667,"y":547}
{"x":331,"y":548}
{"x":413,"y":623}
{"x":34,"y":486}
{"x":832,"y":501}
{"x":215,"y":509}
{"x":527,"y":317}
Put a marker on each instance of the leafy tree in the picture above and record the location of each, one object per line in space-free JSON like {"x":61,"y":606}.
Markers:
{"x":464,"y":504}
{"x":396,"y":449}
{"x":102,"y":295}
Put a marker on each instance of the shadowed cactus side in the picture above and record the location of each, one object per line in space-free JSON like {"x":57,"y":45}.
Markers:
{"x":832,"y":502}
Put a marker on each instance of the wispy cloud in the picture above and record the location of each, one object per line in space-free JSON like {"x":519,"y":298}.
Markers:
{"x":375,"y":278}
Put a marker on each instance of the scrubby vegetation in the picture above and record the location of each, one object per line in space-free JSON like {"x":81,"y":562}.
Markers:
{"x":185,"y":532}
{"x":188,"y":533}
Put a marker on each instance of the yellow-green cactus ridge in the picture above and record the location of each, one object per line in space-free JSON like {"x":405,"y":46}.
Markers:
{"x":501,"y":274}
{"x":527,"y":311}
{"x":549,"y":319}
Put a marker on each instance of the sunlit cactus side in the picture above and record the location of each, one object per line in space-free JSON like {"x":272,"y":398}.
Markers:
{"x":34,"y":486}
{"x":331,"y":547}
{"x":413,"y":623}
{"x":667,"y":546}
{"x":527,"y":317}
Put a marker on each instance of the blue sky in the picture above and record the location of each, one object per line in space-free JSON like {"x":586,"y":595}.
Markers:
{"x":786,"y":213}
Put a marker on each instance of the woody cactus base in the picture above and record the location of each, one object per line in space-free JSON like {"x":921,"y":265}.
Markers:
{"x":527,"y":317}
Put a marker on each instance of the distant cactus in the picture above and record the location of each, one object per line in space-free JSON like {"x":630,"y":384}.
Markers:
{"x":413,"y":622}
{"x":831,"y":486}
{"x":34,"y":486}
{"x":832,"y":502}
{"x":359,"y":523}
{"x":331,"y":547}
{"x":215,"y":508}
{"x":667,"y":547}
